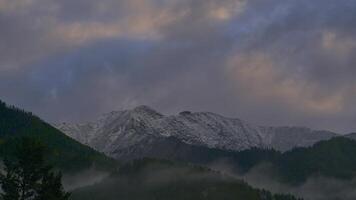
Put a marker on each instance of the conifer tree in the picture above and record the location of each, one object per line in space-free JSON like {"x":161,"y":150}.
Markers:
{"x":27,"y":177}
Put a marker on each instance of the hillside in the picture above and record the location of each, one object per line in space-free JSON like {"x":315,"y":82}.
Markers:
{"x":63,"y":152}
{"x":333,"y":158}
{"x":161,"y":180}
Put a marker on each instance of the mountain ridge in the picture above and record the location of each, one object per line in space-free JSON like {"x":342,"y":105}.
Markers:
{"x":123,"y":131}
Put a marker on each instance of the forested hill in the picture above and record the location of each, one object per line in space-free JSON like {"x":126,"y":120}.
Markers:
{"x":63,"y":151}
{"x":143,"y":179}
{"x":149,"y":179}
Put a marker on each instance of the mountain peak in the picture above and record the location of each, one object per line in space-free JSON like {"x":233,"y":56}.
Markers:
{"x":185,"y":113}
{"x":146,"y":110}
{"x":143,"y":107}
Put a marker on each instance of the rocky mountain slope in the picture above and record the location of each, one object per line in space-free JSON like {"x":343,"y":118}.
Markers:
{"x":122,"y":133}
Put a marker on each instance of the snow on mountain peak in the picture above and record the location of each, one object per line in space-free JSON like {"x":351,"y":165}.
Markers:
{"x":123,"y":131}
{"x":146,"y":111}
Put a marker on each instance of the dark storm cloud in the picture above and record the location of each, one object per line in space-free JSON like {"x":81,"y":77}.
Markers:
{"x":72,"y":60}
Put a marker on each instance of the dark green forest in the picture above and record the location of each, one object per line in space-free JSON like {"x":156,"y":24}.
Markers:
{"x":151,"y":179}
{"x":26,"y":175}
{"x":63,"y":152}
{"x":334,"y":158}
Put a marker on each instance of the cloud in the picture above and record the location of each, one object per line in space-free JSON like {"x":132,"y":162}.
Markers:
{"x":337,"y":45}
{"x":72,"y":60}
{"x":15,"y":5}
{"x":266,"y":81}
{"x":227,"y":10}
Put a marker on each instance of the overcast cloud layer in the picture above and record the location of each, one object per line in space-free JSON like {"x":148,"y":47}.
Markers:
{"x":272,"y":62}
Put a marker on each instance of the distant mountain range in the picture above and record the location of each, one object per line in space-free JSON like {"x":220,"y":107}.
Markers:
{"x":294,"y":154}
{"x":291,"y":156}
{"x":130,"y":133}
{"x":143,"y":179}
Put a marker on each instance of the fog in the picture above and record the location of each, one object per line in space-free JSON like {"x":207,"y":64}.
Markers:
{"x":315,"y":188}
{"x":262,"y":176}
{"x":85,"y":178}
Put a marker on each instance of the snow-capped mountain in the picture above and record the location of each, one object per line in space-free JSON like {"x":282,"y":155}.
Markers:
{"x":122,"y":133}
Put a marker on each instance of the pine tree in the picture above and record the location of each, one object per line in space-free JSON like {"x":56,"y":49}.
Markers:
{"x":27,"y":177}
{"x":51,"y":188}
{"x":10,"y":184}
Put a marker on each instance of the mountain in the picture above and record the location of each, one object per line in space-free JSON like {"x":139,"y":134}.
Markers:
{"x":351,"y":136}
{"x":149,"y":179}
{"x":92,"y":175}
{"x":324,"y":171}
{"x":124,"y":134}
{"x":63,"y":152}
{"x":308,"y":163}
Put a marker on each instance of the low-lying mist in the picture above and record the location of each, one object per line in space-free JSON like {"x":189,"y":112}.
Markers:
{"x":161,"y":180}
{"x":85,"y":178}
{"x":264,"y":176}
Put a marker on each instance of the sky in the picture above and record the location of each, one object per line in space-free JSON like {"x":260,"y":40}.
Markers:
{"x":270,"y":62}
